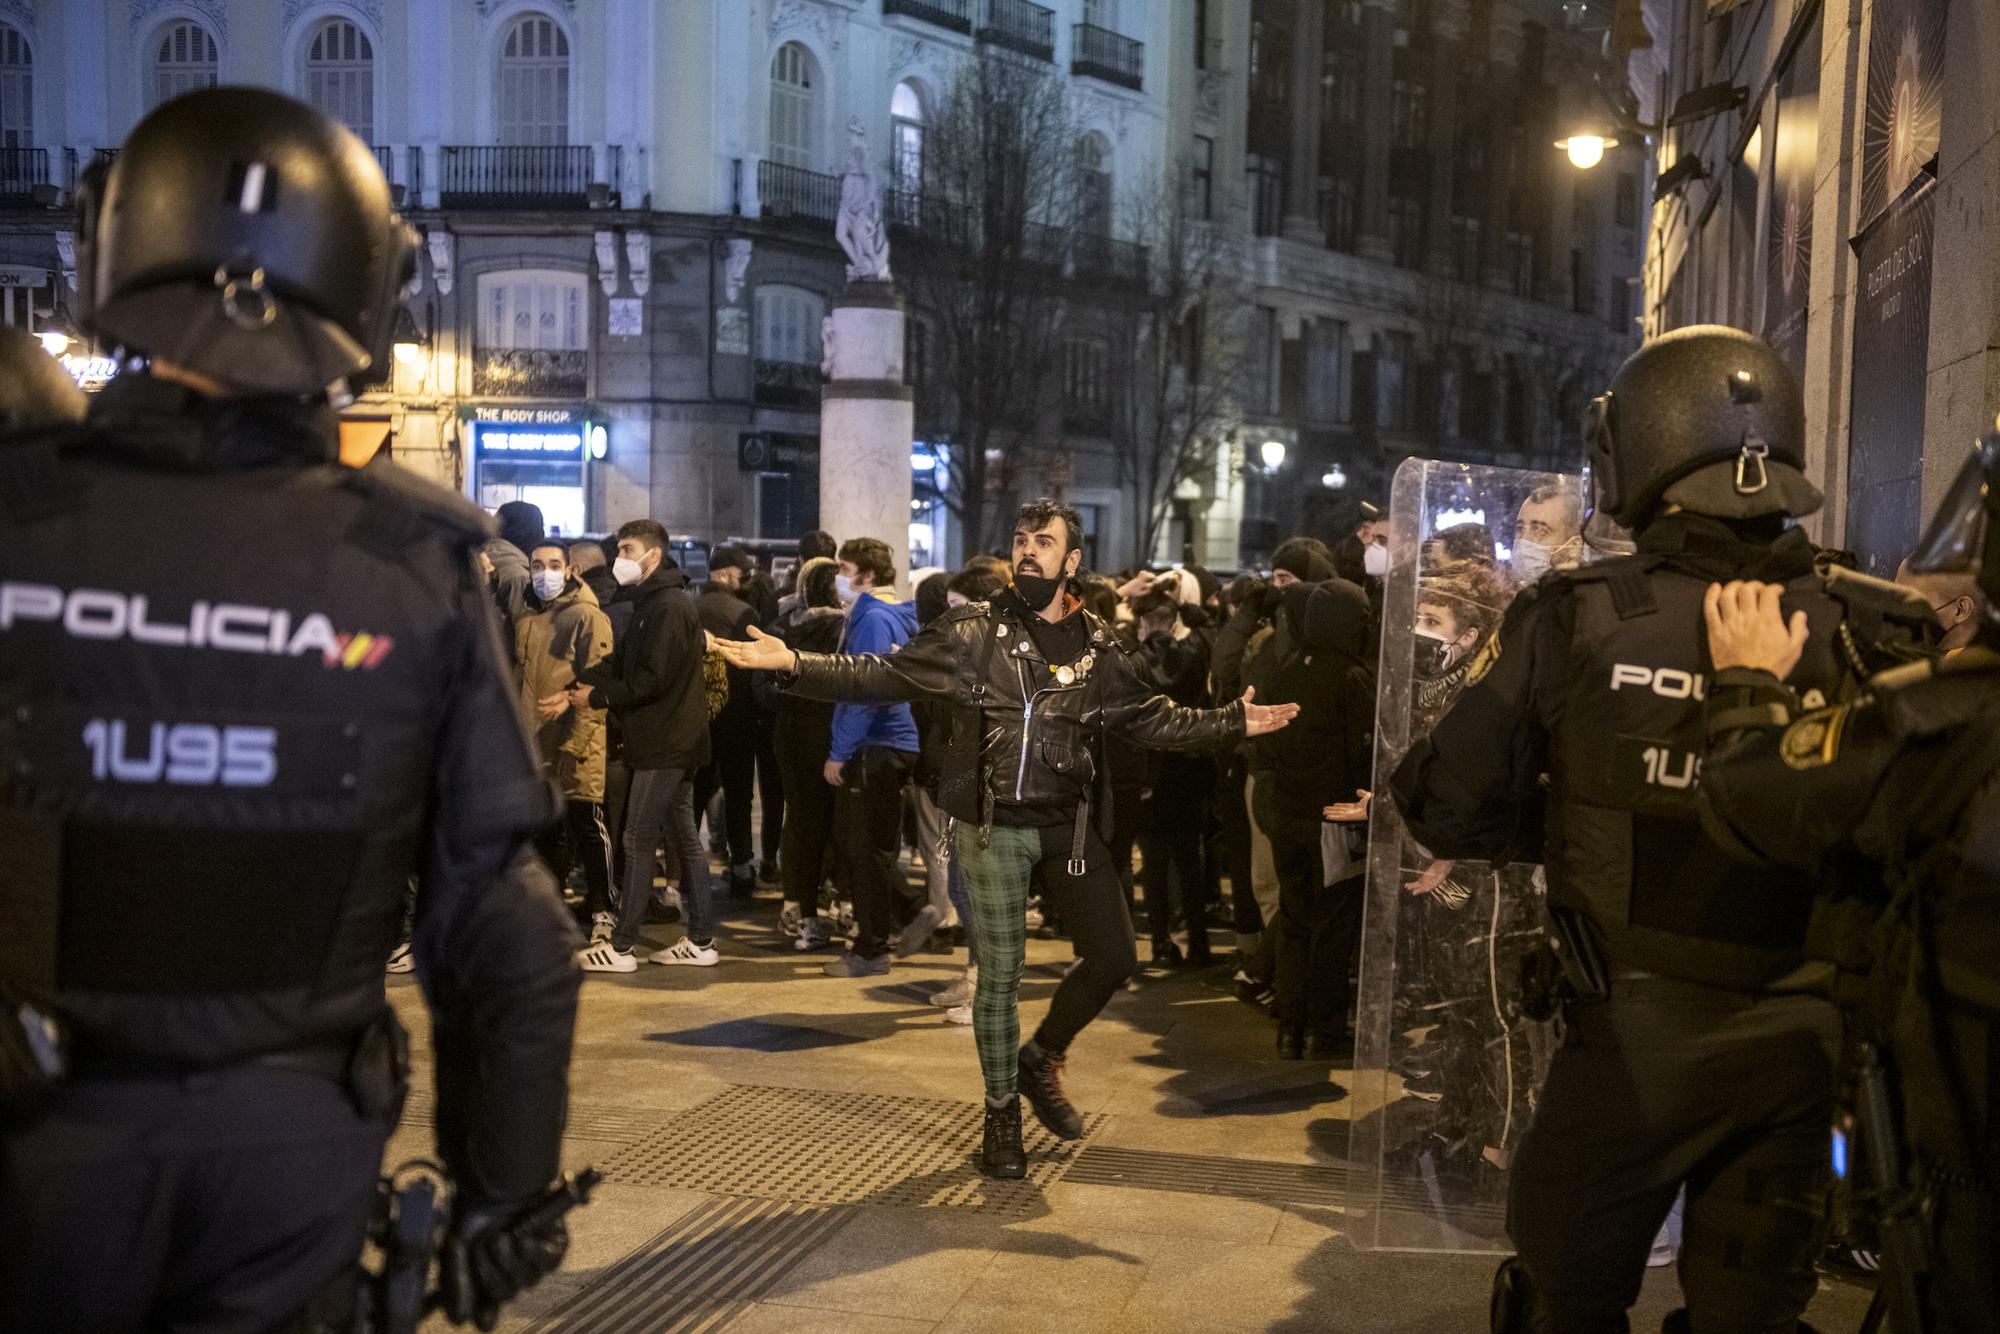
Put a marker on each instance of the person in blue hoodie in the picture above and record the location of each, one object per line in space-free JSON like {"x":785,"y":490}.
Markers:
{"x":874,"y":753}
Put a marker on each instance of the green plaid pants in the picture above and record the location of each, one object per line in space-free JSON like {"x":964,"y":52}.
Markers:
{"x":999,"y":866}
{"x":999,"y":869}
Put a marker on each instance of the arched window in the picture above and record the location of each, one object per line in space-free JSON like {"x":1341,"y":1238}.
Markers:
{"x":906,"y":117}
{"x":1093,"y":165}
{"x":541,"y":310}
{"x":534,"y":83}
{"x":184,"y":60}
{"x":788,"y":325}
{"x":340,"y":75}
{"x":17,"y":90}
{"x":793,"y":82}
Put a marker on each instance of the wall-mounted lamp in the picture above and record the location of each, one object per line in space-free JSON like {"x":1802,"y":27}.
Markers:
{"x":406,"y":339}
{"x":1272,"y":452}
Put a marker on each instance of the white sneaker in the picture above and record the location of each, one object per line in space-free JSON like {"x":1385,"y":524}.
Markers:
{"x":685,"y":951}
{"x":790,"y":919}
{"x":400,"y":960}
{"x":959,"y":1014}
{"x":810,"y":936}
{"x":601,"y":958}
{"x":602,"y":924}
{"x":959,"y":992}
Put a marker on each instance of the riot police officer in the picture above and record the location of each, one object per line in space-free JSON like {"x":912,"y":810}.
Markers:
{"x":1699,"y":1052}
{"x":1891,"y":805}
{"x":247,"y":695}
{"x":34,"y":388}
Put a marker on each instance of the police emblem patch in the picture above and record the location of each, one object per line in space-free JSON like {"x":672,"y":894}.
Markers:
{"x":1813,"y":741}
{"x":1482,"y":663}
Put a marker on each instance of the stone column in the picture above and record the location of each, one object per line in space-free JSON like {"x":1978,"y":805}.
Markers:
{"x":1378,"y":72}
{"x":1503,"y":67}
{"x":866,"y":421}
{"x":1301,"y":221}
{"x":1449,"y":20}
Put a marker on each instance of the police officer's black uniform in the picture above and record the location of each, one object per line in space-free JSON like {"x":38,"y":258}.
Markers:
{"x":245,"y":695}
{"x":1891,"y":805}
{"x":1700,"y":1053}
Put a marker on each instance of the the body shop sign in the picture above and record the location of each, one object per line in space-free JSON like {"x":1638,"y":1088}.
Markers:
{"x":532,"y":433}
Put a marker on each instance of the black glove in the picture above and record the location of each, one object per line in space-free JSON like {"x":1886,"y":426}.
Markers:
{"x":1265,"y":599}
{"x":492,"y":1256}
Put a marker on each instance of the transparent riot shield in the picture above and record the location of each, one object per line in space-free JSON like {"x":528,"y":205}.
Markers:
{"x":1446,"y":1065}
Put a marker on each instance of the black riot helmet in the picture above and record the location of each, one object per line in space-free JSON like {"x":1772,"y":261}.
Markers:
{"x":250,"y":238}
{"x":1960,"y":539}
{"x":35,"y":390}
{"x":1707,"y":417}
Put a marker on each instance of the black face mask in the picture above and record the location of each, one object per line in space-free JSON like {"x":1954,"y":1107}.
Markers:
{"x":1433,"y":657}
{"x":1037,"y":590}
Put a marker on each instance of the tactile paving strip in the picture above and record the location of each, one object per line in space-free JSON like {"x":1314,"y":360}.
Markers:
{"x":839,"y":1148}
{"x":701,"y":1273}
{"x":606,"y":1124}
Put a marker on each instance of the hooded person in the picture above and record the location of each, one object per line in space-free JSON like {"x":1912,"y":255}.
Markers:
{"x":1325,"y":757}
{"x":521,"y":529}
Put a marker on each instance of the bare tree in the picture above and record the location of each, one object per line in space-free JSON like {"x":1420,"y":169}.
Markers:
{"x":1176,"y":353}
{"x":983,"y":257}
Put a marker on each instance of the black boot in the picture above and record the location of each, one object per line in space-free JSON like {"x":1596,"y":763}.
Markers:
{"x":1000,"y":1152}
{"x":1041,"y":1081}
{"x":1166,"y":954}
{"x":1327,"y":1044}
{"x":1291,"y":1042}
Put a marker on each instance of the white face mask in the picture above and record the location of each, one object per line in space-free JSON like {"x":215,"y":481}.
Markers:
{"x":1375,"y":559}
{"x":1531,"y":560}
{"x":626,"y":570}
{"x":549,"y":584}
{"x":843,"y":588}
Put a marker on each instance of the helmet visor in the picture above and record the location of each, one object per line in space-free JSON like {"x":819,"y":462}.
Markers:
{"x":1957,"y":533}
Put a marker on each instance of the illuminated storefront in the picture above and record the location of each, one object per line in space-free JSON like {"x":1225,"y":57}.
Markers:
{"x":538,"y":454}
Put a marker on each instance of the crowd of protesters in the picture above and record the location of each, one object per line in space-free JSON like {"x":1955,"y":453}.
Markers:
{"x":653,"y":737}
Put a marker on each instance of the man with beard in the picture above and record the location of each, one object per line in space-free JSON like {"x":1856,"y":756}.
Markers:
{"x":1035,"y":683}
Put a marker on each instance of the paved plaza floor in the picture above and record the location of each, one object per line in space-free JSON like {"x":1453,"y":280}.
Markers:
{"x":787,"y":1153}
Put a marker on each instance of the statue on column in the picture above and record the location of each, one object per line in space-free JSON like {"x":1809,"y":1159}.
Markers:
{"x":859,"y":228}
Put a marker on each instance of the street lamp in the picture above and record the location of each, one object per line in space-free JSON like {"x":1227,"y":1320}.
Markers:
{"x":1334,"y":478}
{"x":406,"y":339}
{"x":1272,"y":452}
{"x":1586,"y":150}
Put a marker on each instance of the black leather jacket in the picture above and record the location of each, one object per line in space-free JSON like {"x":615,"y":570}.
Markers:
{"x":1020,"y":732}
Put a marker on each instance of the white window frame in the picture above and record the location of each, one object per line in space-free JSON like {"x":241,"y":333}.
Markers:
{"x":794,"y":106}
{"x":545,"y":310}
{"x":17,"y":88}
{"x":532,"y":93}
{"x":167,"y":78}
{"x":1095,"y":204}
{"x":351,"y":78}
{"x":1085,"y":373}
{"x":906,"y":138}
{"x":787,"y":324}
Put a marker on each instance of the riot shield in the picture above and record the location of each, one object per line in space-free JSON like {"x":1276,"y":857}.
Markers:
{"x":1446,"y":1065}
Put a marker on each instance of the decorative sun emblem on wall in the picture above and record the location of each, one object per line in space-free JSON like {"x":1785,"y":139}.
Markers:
{"x":1905,"y":113}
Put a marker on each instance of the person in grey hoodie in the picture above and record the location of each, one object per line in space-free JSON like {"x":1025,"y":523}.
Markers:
{"x":521,"y":530}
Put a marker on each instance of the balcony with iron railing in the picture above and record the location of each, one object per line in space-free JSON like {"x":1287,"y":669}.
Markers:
{"x":22,"y":172}
{"x":1099,"y":53}
{"x":954,"y":15}
{"x":525,"y":177}
{"x":787,"y":384}
{"x":507,"y":372}
{"x":1019,"y":25}
{"x":786,"y":191}
{"x":1090,"y":257}
{"x":1107,"y":259}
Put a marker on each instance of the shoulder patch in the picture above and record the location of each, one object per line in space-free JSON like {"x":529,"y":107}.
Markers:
{"x":1813,"y":742}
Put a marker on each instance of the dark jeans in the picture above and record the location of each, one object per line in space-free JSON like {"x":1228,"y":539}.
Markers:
{"x":1319,"y":931}
{"x":586,"y":842}
{"x":869,"y":823}
{"x":809,"y":807}
{"x":617,"y":779}
{"x":771,"y":790}
{"x":1246,"y":918}
{"x":218,"y":1204}
{"x":659,"y":803}
{"x":734,"y":773}
{"x":1667,"y":1083}
{"x":1170,"y":837}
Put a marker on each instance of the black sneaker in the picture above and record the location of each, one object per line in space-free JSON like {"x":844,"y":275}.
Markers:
{"x":1041,"y":1081}
{"x":1000,"y":1153}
